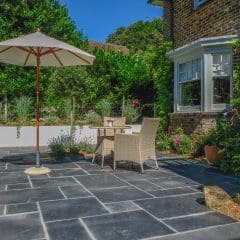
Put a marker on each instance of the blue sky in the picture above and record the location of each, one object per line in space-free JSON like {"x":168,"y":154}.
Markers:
{"x":98,"y":18}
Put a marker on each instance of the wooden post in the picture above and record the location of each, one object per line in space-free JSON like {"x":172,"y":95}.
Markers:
{"x":5,"y":107}
{"x":38,"y":55}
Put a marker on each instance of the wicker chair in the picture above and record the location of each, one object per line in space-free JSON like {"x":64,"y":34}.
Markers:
{"x":105,"y":138}
{"x":137,"y":147}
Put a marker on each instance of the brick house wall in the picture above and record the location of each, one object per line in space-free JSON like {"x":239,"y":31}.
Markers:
{"x":213,"y":18}
{"x":184,"y":24}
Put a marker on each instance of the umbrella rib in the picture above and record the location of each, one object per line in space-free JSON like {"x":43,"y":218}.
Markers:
{"x":27,"y":58}
{"x":54,"y":54}
{"x":80,"y":57}
{"x":50,"y":50}
{"x":31,"y":51}
{"x":4,"y":50}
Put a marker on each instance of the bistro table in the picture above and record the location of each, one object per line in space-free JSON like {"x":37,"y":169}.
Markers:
{"x":105,"y":140}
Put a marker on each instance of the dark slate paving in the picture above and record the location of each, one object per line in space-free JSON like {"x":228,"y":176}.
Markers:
{"x":122,"y":206}
{"x":71,"y":208}
{"x":171,"y":192}
{"x":66,"y":172}
{"x":125,"y":226}
{"x":173,"y":182}
{"x":51,"y":182}
{"x":59,"y":165}
{"x":200,"y":221}
{"x":67,"y":230}
{"x":1,"y":210}
{"x":173,"y":206}
{"x":93,"y":168}
{"x":227,"y":232}
{"x":100,"y":181}
{"x":135,"y":176}
{"x":13,"y":177}
{"x":145,"y":185}
{"x":75,"y":191}
{"x":21,"y":208}
{"x":18,"y":186}
{"x":29,"y":195}
{"x":119,"y":194}
{"x":21,"y":227}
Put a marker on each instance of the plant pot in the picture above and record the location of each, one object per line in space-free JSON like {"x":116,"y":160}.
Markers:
{"x":212,"y":155}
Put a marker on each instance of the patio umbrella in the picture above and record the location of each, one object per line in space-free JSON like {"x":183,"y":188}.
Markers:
{"x":40,"y":50}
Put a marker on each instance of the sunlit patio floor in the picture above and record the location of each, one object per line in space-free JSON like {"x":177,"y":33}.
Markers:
{"x":80,"y":201}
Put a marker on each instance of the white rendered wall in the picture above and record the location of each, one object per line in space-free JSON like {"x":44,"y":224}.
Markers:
{"x":8,"y":135}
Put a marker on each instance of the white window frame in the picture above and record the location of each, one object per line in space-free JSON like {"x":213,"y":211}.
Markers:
{"x":222,"y":106}
{"x":198,"y":3}
{"x":178,"y":92}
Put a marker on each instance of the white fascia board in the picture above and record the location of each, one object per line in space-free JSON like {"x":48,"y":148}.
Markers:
{"x":202,"y":43}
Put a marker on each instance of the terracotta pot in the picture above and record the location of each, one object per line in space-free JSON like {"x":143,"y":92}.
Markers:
{"x":212,"y":155}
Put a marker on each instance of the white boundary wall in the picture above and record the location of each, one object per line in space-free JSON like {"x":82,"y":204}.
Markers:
{"x":8,"y":135}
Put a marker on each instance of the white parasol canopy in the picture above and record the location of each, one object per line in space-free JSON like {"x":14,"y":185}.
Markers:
{"x":38,"y":50}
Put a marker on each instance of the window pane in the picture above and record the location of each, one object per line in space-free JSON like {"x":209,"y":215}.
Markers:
{"x":221,"y":90}
{"x":191,"y":93}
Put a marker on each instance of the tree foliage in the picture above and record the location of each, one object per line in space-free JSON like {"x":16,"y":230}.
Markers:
{"x":139,"y":36}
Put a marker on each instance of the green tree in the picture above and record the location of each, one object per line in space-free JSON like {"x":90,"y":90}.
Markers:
{"x":75,"y":84}
{"x":139,"y":36}
{"x":20,"y":17}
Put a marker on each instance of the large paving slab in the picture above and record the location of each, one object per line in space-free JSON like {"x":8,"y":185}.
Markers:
{"x":67,"y":230}
{"x":13,"y":177}
{"x":21,"y":227}
{"x":174,"y":206}
{"x":172,"y":191}
{"x":125,"y":226}
{"x":119,"y":194}
{"x":75,"y":191}
{"x":66,"y":172}
{"x":52,"y":182}
{"x":198,"y":221}
{"x":100,"y":181}
{"x":21,"y":208}
{"x":29,"y":195}
{"x":71,"y":208}
{"x":223,"y":232}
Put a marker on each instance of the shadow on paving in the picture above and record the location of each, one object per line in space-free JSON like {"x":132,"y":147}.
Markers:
{"x":204,"y":174}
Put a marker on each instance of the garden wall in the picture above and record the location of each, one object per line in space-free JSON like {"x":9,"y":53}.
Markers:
{"x":193,"y":123}
{"x":8,"y":135}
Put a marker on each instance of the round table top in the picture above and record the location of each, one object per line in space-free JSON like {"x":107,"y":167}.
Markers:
{"x":111,"y":127}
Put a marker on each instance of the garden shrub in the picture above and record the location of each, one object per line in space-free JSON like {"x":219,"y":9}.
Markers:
{"x":182,"y":144}
{"x":164,"y":142}
{"x":86,"y":145}
{"x":92,"y":118}
{"x":23,"y":108}
{"x":131,"y":113}
{"x":58,"y":145}
{"x":104,"y":108}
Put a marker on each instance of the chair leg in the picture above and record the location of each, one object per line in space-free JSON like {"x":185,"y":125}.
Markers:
{"x":156,"y":162}
{"x":142,"y":170}
{"x":93,"y":157}
{"x":114,"y":165}
{"x":102,"y":161}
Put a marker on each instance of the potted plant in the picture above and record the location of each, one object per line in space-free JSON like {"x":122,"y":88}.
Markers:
{"x":211,"y":149}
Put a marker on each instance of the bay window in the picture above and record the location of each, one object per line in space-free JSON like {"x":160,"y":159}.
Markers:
{"x":190,"y":83}
{"x":221,"y":76}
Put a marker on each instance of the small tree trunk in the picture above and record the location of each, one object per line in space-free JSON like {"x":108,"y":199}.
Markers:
{"x":123,"y":104}
{"x":72,"y":122}
{"x":5,"y":108}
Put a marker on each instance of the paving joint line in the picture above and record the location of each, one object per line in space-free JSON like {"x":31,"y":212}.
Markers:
{"x":136,"y":187}
{"x":42,"y":222}
{"x":59,"y":188}
{"x":86,"y":189}
{"x":30,"y":181}
{"x":87,"y":229}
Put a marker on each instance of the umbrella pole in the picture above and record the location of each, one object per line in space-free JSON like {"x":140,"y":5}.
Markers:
{"x":38,"y":109}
